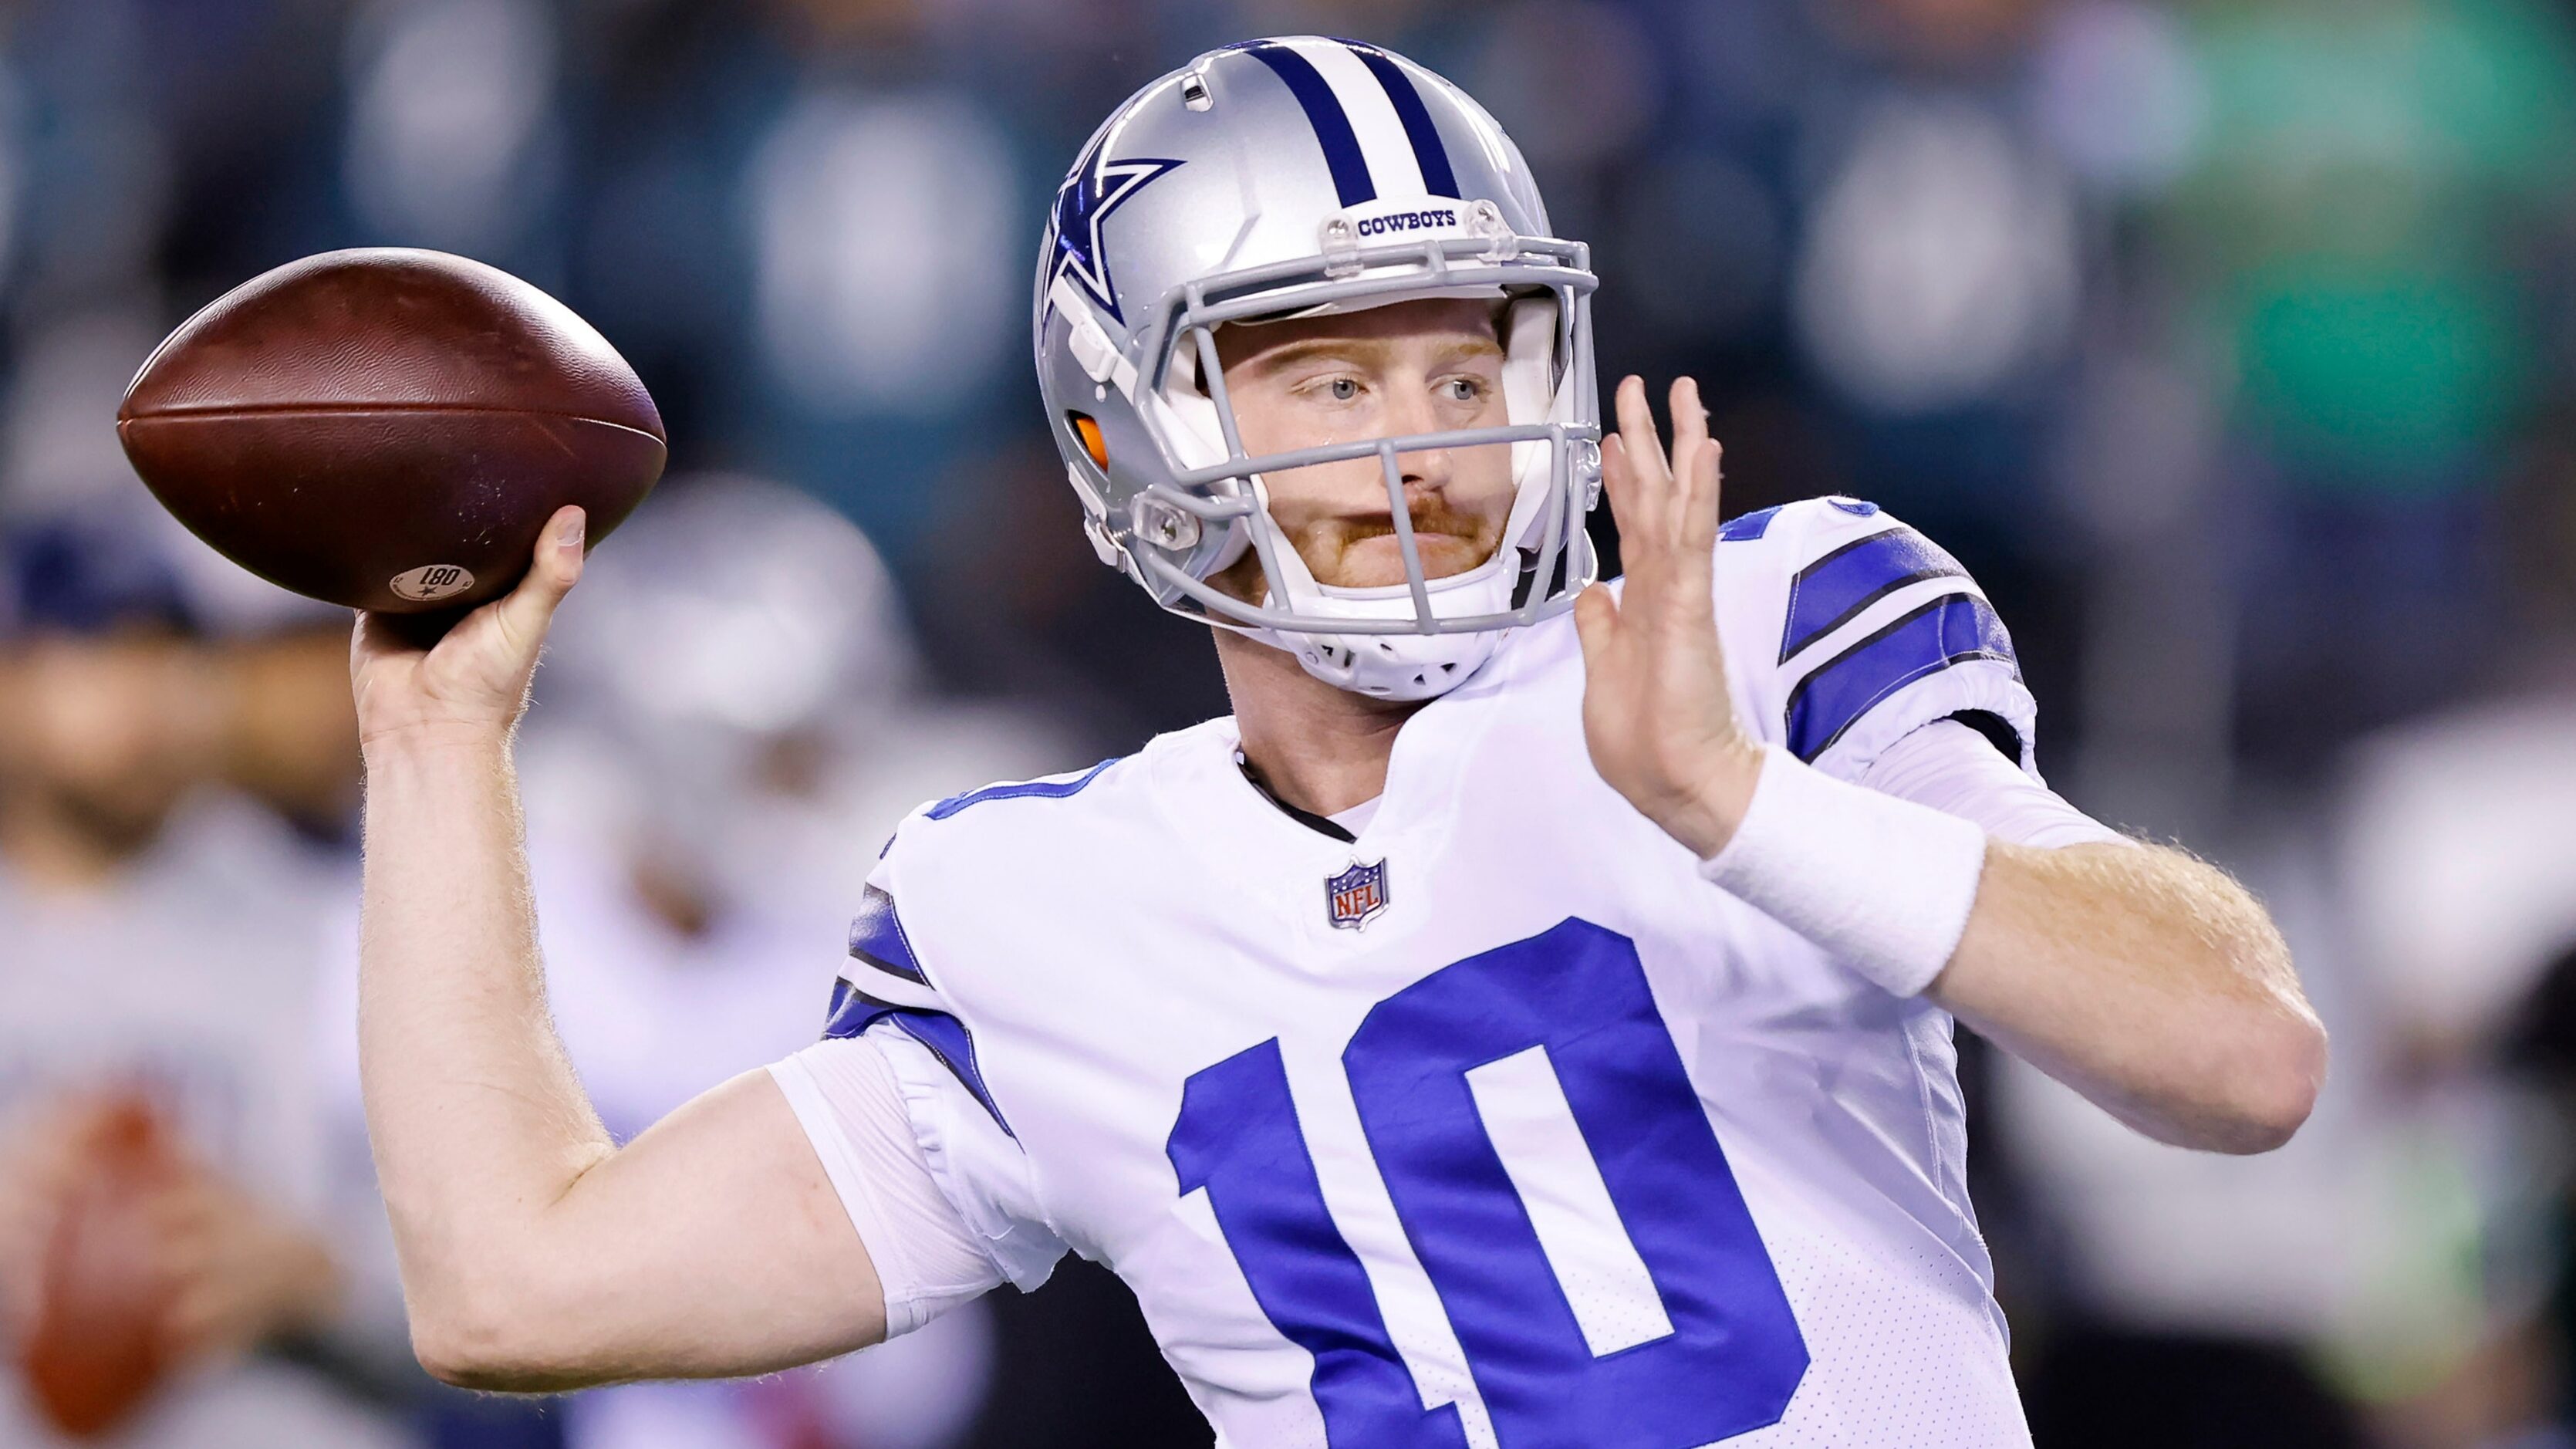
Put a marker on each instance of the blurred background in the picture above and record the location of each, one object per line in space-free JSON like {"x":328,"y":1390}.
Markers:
{"x":2230,"y":343}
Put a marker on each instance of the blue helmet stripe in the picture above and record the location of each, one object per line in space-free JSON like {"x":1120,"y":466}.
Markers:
{"x":1437,"y":178}
{"x":1323,"y":112}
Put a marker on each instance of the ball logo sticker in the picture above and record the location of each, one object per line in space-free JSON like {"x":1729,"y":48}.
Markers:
{"x":1357,"y":895}
{"x":431,"y":582}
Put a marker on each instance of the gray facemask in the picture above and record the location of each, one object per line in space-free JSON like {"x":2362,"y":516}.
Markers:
{"x":1299,"y":177}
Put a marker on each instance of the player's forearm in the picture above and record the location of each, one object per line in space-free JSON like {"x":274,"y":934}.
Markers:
{"x":2146,"y":980}
{"x":477,"y":1121}
{"x":2149,"y":982}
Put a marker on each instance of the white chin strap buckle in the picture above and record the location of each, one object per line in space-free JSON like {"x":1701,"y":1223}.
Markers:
{"x":1390,"y":666}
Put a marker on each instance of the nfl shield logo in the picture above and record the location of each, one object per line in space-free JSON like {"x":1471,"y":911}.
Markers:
{"x":1357,"y":894}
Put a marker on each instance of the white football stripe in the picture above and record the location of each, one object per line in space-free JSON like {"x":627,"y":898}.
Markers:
{"x":1533,"y":1131}
{"x":1383,"y":144}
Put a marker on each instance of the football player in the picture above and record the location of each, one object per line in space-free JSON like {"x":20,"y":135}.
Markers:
{"x":1525,"y":1021}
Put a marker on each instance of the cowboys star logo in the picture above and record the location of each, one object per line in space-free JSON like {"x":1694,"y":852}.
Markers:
{"x":1096,"y":188}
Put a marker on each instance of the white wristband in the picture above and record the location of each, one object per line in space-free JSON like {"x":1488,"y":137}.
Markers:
{"x":1883,"y":885}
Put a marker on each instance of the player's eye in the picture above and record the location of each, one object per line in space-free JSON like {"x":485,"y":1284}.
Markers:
{"x":1342,"y":389}
{"x":1463,"y":389}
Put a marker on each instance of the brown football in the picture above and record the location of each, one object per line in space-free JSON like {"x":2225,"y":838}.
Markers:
{"x":389,"y":429}
{"x":94,"y":1351}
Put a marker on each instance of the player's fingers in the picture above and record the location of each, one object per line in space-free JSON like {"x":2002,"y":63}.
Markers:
{"x":557,"y":566}
{"x":1699,"y":528}
{"x":527,"y":609}
{"x":1690,"y":417}
{"x":1596,"y":617}
{"x":1692,"y":494}
{"x":1649,"y":477}
{"x":1637,"y":424}
{"x":1618,"y":481}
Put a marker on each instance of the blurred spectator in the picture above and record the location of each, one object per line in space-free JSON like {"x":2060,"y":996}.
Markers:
{"x":452,"y":139}
{"x":165,"y":935}
{"x":1938,"y":268}
{"x":2378,"y":206}
{"x":2463,"y":900}
{"x":832,"y":195}
{"x":290,"y":738}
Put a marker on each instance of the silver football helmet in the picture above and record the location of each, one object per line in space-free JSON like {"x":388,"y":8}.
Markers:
{"x":1295,"y":177}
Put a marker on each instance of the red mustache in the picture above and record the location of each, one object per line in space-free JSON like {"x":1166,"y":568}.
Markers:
{"x":1428,"y":516}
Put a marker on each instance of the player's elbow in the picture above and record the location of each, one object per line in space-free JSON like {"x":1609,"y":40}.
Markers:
{"x":2264,"y":1095}
{"x":2280,"y":1093}
{"x":2250,"y":1095}
{"x":493,"y":1337}
{"x":460,"y":1349}
{"x":474,"y":1348}
{"x":2252,"y":1054}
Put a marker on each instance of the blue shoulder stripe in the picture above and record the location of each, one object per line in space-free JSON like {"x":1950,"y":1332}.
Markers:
{"x":877,"y":938}
{"x":1033,"y":789}
{"x":1835,"y":694}
{"x":1831,"y":591}
{"x":854,"y":1011}
{"x":1748,"y":525}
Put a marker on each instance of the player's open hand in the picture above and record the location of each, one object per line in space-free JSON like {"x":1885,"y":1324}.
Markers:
{"x":1655,"y":707}
{"x":241,"y":1270}
{"x":471,"y":685}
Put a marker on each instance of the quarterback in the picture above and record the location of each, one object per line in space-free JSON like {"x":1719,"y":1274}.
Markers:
{"x":1525,"y":1021}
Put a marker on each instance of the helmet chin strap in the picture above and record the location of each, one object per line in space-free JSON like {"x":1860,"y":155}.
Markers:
{"x":1384,"y":666}
{"x":1388,"y":666}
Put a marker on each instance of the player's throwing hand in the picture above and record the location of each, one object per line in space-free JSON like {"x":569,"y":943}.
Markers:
{"x":472,"y":684}
{"x":1655,"y":709}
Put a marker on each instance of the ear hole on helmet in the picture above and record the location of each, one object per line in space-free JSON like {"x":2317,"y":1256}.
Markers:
{"x":1089,"y":431}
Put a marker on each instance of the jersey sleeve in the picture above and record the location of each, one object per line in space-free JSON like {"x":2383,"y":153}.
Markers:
{"x":1953,"y":769}
{"x":886,"y":997}
{"x":1846,"y":631}
{"x":850,"y":1102}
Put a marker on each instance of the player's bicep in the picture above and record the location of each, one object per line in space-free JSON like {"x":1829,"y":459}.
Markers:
{"x":712,"y":1245}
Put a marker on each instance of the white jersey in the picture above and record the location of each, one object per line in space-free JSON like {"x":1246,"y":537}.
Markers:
{"x":1497,"y":1125}
{"x":196,"y":972}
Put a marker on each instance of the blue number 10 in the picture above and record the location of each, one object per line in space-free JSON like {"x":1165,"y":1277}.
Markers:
{"x":1723,"y":1357}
